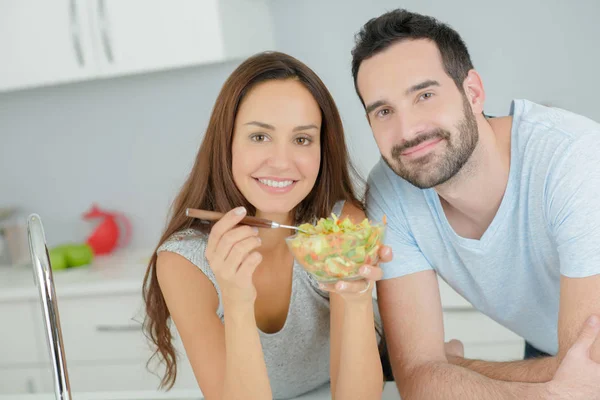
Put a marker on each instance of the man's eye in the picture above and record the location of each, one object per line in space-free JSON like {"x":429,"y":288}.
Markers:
{"x":426,"y":96}
{"x":383,"y":112}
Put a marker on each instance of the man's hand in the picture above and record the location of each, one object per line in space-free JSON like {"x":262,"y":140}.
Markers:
{"x":454,"y":348}
{"x":578,"y":376}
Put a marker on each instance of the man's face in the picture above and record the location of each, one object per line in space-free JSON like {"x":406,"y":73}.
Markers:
{"x":423,"y":124}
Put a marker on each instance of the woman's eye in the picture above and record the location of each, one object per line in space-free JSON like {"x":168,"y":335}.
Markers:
{"x":259,"y":137}
{"x":303,"y":141}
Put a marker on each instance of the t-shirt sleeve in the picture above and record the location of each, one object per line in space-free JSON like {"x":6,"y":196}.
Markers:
{"x":572,"y":196}
{"x":382,"y":199}
{"x":192,"y":246}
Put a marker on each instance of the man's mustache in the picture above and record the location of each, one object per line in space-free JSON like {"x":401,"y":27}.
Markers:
{"x":436,"y":134}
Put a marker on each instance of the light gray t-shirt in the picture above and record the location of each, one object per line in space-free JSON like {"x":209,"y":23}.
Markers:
{"x":547,"y":226}
{"x":297,"y":357}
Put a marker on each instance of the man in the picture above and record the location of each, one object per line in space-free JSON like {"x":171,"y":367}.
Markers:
{"x":503,"y":209}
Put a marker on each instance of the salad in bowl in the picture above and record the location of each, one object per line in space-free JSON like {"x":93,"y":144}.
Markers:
{"x":335,"y":249}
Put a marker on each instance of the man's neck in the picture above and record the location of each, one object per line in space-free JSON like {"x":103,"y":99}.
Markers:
{"x":472,"y":197}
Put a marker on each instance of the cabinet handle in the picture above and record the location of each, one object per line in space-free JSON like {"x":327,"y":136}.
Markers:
{"x":30,"y":386}
{"x":75,"y":32}
{"x":104,"y":31}
{"x":118,"y":328}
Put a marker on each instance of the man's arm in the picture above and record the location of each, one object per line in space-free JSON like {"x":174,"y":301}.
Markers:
{"x":535,"y":370}
{"x":411,"y":311}
{"x":578,"y":300}
{"x":574,"y":221}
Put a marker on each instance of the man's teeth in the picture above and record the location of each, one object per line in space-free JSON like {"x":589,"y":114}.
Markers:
{"x":276,"y":184}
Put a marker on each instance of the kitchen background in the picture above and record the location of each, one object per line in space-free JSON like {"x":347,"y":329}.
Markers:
{"x":127,"y":142}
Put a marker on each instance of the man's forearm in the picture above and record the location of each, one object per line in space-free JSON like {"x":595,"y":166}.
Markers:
{"x":534,"y":371}
{"x":444,"y":381}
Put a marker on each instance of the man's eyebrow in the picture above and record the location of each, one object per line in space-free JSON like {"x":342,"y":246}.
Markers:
{"x":373,"y":106}
{"x":412,"y":89}
{"x":421,"y":86}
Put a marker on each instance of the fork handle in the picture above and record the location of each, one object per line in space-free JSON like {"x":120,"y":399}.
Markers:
{"x":215,"y":216}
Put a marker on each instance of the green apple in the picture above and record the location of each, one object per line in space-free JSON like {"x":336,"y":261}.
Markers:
{"x":58,"y":259}
{"x":78,"y":255}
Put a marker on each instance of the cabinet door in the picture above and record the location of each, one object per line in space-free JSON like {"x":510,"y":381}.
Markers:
{"x":128,"y":376}
{"x":145,"y":35}
{"x":97,"y":328}
{"x":44,"y":42}
{"x":21,"y":380}
{"x":502,"y":351}
{"x":483,"y":338}
{"x":18,"y":341}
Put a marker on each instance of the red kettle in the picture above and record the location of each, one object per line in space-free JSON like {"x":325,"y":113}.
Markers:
{"x":114,"y":230}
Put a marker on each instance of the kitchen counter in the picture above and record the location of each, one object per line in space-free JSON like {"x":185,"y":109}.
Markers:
{"x":389,"y":393}
{"x":127,"y":395}
{"x":120,"y":272}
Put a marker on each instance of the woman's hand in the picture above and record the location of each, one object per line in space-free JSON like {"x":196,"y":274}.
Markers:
{"x":231,"y":256}
{"x":361,"y":288}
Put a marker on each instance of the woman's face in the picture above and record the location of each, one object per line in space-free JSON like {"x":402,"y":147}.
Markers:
{"x":276,"y":149}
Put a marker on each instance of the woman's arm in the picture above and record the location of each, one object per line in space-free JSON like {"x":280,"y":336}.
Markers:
{"x":227,"y":359}
{"x":356,"y":371}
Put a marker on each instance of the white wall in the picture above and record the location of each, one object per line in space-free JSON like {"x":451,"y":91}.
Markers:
{"x":125,"y":143}
{"x":128,"y":143}
{"x":542,"y":50}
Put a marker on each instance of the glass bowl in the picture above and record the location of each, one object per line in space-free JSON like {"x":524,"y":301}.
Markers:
{"x":331,"y":257}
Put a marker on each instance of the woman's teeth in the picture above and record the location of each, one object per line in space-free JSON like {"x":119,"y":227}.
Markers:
{"x":276,"y":184}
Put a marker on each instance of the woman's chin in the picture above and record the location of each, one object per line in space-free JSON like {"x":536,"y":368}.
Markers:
{"x":274,"y":209}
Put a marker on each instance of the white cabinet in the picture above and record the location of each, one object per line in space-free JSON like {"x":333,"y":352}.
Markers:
{"x":141,"y":35}
{"x":119,"y":377}
{"x":18,"y":341}
{"x":101,"y":328}
{"x":45,"y":43}
{"x":482,"y":337}
{"x":15,"y":380}
{"x":105,"y":346}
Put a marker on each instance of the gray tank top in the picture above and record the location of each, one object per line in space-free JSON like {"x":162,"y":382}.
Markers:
{"x":297,"y":356}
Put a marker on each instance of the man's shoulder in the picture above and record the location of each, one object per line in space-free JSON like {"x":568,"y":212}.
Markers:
{"x":545,"y":137}
{"x":553,"y":122}
{"x":387,"y":191}
{"x":384,"y":178}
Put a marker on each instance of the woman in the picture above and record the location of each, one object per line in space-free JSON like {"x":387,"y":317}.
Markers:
{"x":253,"y":323}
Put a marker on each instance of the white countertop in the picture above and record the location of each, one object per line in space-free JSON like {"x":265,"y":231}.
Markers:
{"x":120,"y":272}
{"x":389,"y":393}
{"x":127,"y":395}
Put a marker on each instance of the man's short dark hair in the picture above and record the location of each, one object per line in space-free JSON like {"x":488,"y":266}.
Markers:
{"x":399,"y":25}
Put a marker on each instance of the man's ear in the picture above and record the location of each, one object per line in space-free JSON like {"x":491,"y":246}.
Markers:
{"x":473,"y":87}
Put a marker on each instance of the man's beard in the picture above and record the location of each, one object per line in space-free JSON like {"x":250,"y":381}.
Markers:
{"x":432,"y":170}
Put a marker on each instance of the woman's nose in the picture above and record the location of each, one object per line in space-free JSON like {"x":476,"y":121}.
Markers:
{"x":280,"y":157}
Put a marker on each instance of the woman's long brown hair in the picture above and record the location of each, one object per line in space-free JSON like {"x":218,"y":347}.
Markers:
{"x":210,"y":184}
